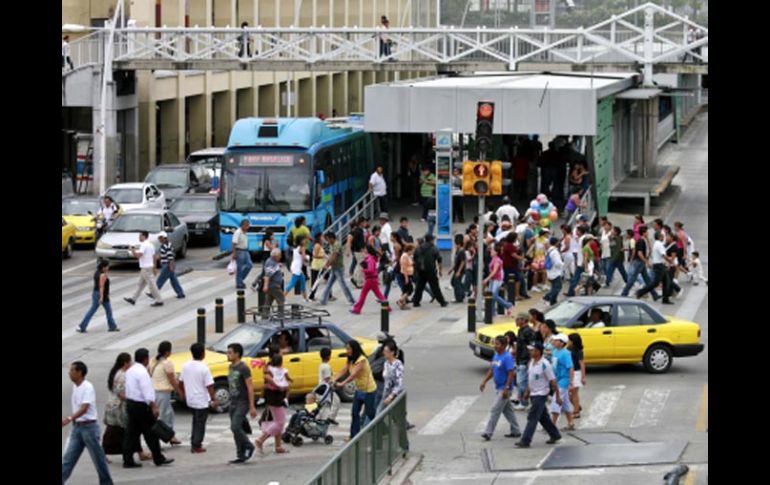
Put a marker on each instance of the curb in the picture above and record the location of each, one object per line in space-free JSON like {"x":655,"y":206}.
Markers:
{"x":405,"y":467}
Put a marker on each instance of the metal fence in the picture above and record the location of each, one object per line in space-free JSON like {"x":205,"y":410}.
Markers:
{"x":371,"y":454}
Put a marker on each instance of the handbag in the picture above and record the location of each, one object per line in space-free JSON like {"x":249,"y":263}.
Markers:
{"x":266,"y":417}
{"x":231,"y":267}
{"x":162,"y":431}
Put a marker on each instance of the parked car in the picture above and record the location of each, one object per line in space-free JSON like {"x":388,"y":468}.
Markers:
{"x":80,"y":211}
{"x":201,"y":214}
{"x":179,"y":178}
{"x":137,"y":195}
{"x":211,"y":159}
{"x":307,"y":336}
{"x":631,"y":331}
{"x":67,"y":238}
{"x":124,"y":232}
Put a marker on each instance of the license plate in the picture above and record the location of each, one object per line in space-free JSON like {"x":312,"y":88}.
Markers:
{"x":122,"y":254}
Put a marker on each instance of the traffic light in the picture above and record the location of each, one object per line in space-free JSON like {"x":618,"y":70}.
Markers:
{"x":476,"y":178}
{"x":496,"y":177}
{"x":485,"y":114}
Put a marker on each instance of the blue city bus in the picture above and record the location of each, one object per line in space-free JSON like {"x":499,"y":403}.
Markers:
{"x":278,"y":169}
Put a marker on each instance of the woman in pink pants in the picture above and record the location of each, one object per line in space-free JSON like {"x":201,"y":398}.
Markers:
{"x":370,"y":281}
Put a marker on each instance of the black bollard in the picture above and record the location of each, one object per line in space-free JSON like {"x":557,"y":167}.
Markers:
{"x":472,"y":316}
{"x":241,"y":305}
{"x":201,"y":326}
{"x":488,"y":307}
{"x":219,"y":315}
{"x":510,"y":286}
{"x":385,"y":317}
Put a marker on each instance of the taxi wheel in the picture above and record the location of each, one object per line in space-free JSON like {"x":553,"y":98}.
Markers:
{"x":658,"y":359}
{"x":69,"y":249}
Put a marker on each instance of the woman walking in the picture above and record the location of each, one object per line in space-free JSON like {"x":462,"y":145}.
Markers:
{"x":116,"y":413}
{"x":358,"y":371}
{"x":406,"y":263}
{"x":495,"y":278}
{"x":575,"y":346}
{"x":317,"y":263}
{"x":392,"y":374}
{"x":370,"y":281}
{"x":275,"y":390}
{"x":100,"y":296}
{"x":164,"y":381}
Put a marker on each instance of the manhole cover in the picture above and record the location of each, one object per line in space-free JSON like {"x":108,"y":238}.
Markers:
{"x":614,"y":455}
{"x":602,"y":437}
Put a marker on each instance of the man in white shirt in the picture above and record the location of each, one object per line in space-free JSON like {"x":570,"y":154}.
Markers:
{"x":142,"y":411}
{"x":604,"y":244}
{"x":379,"y":188}
{"x":458,"y":212}
{"x":385,"y":230}
{"x":85,"y":427}
{"x":65,"y":53}
{"x":659,"y":270}
{"x":541,"y":381}
{"x":147,"y":271}
{"x":241,"y":254}
{"x":198,"y":386}
{"x":554,"y":273}
{"x":507,"y":210}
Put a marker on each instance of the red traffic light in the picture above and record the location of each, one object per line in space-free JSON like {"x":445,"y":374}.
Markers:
{"x":486,"y":110}
{"x":480,"y":170}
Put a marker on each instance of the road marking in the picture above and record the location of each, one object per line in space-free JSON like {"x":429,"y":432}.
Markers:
{"x":703,"y":414}
{"x":650,"y":406}
{"x":692,"y":302}
{"x":482,"y":426}
{"x":448,"y":415}
{"x":87,"y":295}
{"x":457,"y":327}
{"x":602,"y":407}
{"x":73,"y":268}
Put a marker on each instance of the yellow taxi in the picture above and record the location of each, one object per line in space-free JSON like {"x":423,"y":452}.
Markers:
{"x":67,"y":238}
{"x":614,"y":330}
{"x":80,"y":211}
{"x":306,"y":339}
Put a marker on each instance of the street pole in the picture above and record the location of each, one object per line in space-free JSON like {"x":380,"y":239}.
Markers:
{"x":106,"y":76}
{"x":480,"y":260}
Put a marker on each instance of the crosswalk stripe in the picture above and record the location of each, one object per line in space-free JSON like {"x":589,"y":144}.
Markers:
{"x":70,"y":284}
{"x":602,"y":407}
{"x":650,"y":406}
{"x":692,"y":302}
{"x":170,"y":325}
{"x":86,"y":292}
{"x":448,"y":415}
{"x":77,"y":266}
{"x":126,"y":310}
{"x":482,"y":426}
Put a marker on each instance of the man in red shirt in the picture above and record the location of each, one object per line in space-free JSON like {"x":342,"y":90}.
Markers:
{"x":512,"y":260}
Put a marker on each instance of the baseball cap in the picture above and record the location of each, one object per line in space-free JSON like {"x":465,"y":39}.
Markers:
{"x":385,"y":216}
{"x":522,"y":315}
{"x":536,"y":345}
{"x":562,"y":337}
{"x":162,"y":234}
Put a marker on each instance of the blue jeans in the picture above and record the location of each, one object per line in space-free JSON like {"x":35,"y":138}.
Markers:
{"x":297,"y":280}
{"x":494,"y":287}
{"x":365,"y":399}
{"x":552,"y":295}
{"x":538,"y":413}
{"x":336,"y":274}
{"x":610,"y":271}
{"x":636,"y":269}
{"x":575,"y":280}
{"x":167,"y":274}
{"x":377,"y":399}
{"x":522,"y":379}
{"x":85,"y":436}
{"x":243,"y":261}
{"x":95,"y":306}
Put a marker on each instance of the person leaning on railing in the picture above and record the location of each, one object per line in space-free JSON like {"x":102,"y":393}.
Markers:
{"x":358,"y":370}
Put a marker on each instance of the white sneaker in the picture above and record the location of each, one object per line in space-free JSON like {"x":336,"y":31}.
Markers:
{"x":536,"y":289}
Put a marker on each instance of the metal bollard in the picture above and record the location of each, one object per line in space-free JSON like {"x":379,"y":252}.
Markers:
{"x":510,"y":287}
{"x":472,"y":316}
{"x":385,"y":317}
{"x":241,"y":304}
{"x":201,"y":326}
{"x":219,"y":315}
{"x":488,"y":307}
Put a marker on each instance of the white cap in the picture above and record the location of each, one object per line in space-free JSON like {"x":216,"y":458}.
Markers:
{"x":562,"y":337}
{"x":162,"y":234}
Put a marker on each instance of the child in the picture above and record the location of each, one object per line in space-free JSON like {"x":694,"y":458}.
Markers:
{"x":696,"y":268}
{"x":310,"y":405}
{"x":281,"y":378}
{"x":575,"y":346}
{"x":325,"y":377}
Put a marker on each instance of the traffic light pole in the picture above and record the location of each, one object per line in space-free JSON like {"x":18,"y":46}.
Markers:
{"x":480,"y":263}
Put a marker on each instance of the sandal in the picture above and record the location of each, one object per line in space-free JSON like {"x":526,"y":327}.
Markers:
{"x":258,"y":444}
{"x":280,"y":449}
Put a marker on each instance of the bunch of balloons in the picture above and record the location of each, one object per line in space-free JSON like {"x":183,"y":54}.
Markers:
{"x":542,"y":211}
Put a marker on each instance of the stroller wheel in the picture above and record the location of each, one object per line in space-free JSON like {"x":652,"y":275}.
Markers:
{"x":286,"y":437}
{"x":297,"y":441}
{"x":328,"y":439}
{"x":314,"y":438}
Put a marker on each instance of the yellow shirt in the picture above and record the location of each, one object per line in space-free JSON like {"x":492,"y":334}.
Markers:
{"x":365,"y":380}
{"x":160,"y":380}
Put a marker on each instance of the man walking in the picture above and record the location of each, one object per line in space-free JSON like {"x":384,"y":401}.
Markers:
{"x":524,"y":338}
{"x":426,"y":260}
{"x":147,"y":270}
{"x":503,"y":370}
{"x":554,"y":267}
{"x":241,"y":402}
{"x":241,"y":254}
{"x":541,"y":380}
{"x":379,"y":188}
{"x":167,"y":265}
{"x":336,"y":266}
{"x":198,"y":387}
{"x":142,"y":411}
{"x":85,"y":427}
{"x":403,"y":230}
{"x":65,"y":53}
{"x":564,"y":372}
{"x":639,"y":264}
{"x":659,"y":270}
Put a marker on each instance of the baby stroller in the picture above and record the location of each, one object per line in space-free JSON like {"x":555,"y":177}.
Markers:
{"x":312,"y":424}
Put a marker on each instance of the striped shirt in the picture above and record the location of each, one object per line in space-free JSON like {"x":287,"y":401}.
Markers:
{"x":166,"y":253}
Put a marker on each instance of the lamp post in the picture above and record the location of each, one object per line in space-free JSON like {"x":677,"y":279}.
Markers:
{"x":106,"y":76}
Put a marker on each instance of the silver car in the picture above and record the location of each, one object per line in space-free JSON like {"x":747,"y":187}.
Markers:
{"x":124,"y":232}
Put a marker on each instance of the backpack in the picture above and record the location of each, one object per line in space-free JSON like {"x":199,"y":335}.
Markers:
{"x":548,"y":261}
{"x":377,"y":363}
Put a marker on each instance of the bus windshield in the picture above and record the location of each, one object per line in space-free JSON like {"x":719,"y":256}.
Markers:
{"x":267,"y":183}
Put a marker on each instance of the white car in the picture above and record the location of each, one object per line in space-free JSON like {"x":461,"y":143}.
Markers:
{"x":137,"y":195}
{"x":124,"y":232}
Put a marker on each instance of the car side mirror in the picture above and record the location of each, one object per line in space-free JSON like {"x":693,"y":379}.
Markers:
{"x":169,"y":229}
